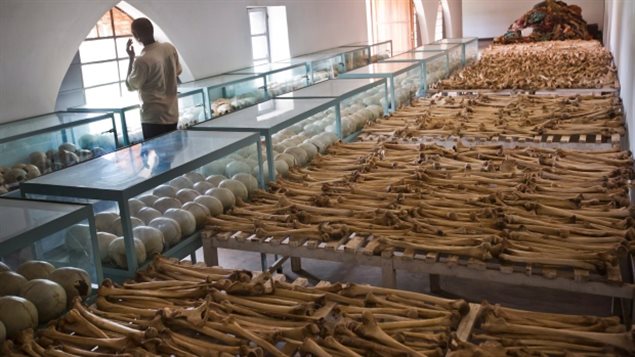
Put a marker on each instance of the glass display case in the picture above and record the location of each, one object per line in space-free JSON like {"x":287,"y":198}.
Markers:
{"x":454,"y":50}
{"x":141,"y":171}
{"x":469,"y":47}
{"x":59,"y":233}
{"x":280,"y":77}
{"x":434,"y":65}
{"x":378,"y":50}
{"x":360,"y":101}
{"x":404,"y":79}
{"x":193,"y":108}
{"x":226,"y":93}
{"x":51,"y":142}
{"x":284,"y":124}
{"x":347,"y":58}
{"x":127,"y":113}
{"x":328,"y":64}
{"x":321,"y":66}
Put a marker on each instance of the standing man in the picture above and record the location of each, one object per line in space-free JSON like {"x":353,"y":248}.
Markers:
{"x":154,"y":74}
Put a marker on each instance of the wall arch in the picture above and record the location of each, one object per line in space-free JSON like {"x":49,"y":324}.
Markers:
{"x":52,"y":32}
{"x":38,"y":39}
{"x":452,"y":17}
{"x":45,"y":48}
{"x":427,"y":16}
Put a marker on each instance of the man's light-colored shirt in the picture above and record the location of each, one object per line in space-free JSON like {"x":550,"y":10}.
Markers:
{"x":154,"y":74}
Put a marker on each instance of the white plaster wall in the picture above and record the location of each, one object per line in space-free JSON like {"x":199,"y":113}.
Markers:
{"x":491,"y":18}
{"x":619,"y":37}
{"x":38,"y":38}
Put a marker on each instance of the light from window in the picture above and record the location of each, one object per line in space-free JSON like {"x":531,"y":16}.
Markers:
{"x":99,"y":94}
{"x":100,"y":73}
{"x":123,"y":70}
{"x":260,"y":47}
{"x":258,"y":22}
{"x":97,"y":50}
{"x":104,"y":58}
{"x":259,"y":35}
{"x":121,"y":47}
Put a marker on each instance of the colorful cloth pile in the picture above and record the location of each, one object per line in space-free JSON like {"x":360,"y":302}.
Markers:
{"x":550,"y":20}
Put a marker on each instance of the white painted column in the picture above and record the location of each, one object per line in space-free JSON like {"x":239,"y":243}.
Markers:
{"x":427,"y":17}
{"x":453,"y":18}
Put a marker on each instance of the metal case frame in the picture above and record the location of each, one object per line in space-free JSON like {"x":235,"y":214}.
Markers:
{"x":375,"y":70}
{"x":57,"y":186}
{"x":236,"y":122}
{"x":341,"y":90}
{"x":121,"y":106}
{"x":35,"y":233}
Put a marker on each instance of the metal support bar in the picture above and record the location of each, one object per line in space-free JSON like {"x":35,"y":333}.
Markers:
{"x":277,"y":265}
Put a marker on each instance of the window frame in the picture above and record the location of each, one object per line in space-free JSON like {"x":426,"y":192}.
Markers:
{"x":117,"y":59}
{"x":266,"y":59}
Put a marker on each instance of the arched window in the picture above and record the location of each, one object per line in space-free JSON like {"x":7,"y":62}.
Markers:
{"x":103,"y":57}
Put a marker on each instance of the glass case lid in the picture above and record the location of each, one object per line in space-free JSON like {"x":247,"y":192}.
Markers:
{"x":266,"y":68}
{"x":185,"y":91}
{"x":18,"y":216}
{"x":341,"y":50}
{"x":366,"y":43}
{"x":42,"y":123}
{"x":385,"y":68}
{"x":321,"y":55}
{"x":127,"y":167}
{"x":217,"y":81}
{"x":108,"y":103}
{"x":437,"y":47}
{"x":311,"y":57}
{"x":267,"y":115}
{"x":416,"y":56}
{"x":457,"y":40}
{"x":333,"y":88}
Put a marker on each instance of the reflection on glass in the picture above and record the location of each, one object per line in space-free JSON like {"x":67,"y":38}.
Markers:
{"x":273,"y":108}
{"x":157,"y":159}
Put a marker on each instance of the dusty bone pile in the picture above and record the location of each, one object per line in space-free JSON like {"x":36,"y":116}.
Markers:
{"x":487,"y":116}
{"x":190,"y":310}
{"x":509,"y":332}
{"x":543,"y":207}
{"x":534,"y":66}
